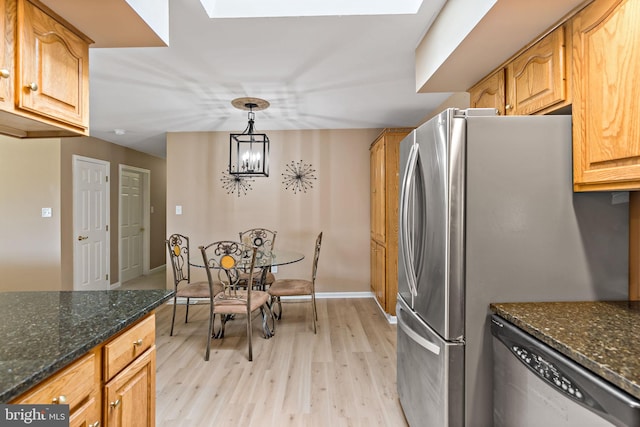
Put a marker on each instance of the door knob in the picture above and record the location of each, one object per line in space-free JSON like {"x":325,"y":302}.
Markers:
{"x":82,"y":238}
{"x":33,"y":86}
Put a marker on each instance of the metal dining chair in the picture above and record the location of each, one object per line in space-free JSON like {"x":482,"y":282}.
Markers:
{"x":298,"y":287}
{"x":264,"y":240}
{"x":179,"y":256}
{"x":223,"y":262}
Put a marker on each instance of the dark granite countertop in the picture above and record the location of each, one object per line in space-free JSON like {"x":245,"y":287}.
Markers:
{"x":604,"y":337}
{"x":42,"y":332}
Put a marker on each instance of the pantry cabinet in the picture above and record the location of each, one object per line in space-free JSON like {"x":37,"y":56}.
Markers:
{"x":44,"y":88}
{"x":534,"y":81}
{"x":606,"y":107}
{"x":385,"y":182}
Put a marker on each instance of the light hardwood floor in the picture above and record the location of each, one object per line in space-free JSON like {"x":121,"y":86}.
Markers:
{"x":343,"y":376}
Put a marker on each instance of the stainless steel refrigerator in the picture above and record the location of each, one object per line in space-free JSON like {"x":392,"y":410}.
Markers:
{"x":488,"y":214}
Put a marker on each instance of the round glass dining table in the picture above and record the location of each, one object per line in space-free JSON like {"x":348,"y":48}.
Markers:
{"x":277,"y":257}
{"x":263,"y":259}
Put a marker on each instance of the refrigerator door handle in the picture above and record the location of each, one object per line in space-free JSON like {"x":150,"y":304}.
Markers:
{"x":406,"y":249}
{"x":421,"y":341}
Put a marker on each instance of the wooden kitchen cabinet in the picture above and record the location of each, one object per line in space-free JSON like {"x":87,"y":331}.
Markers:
{"x":130,"y":395}
{"x":385,"y":184}
{"x":114,"y":382}
{"x":6,"y":55}
{"x":606,"y":107}
{"x":129,"y":372}
{"x":489,"y":92}
{"x":378,"y":273}
{"x":535,"y":81}
{"x":44,"y":88}
{"x":378,"y":204}
{"x":77,"y":385}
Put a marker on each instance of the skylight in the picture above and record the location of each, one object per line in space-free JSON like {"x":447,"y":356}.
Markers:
{"x":280,"y":8}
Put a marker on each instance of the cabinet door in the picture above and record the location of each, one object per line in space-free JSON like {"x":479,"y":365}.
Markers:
{"x":54,"y":68}
{"x":87,"y":415}
{"x":7,"y":19}
{"x":378,"y":189}
{"x":378,"y":270}
{"x":606,"y":108}
{"x":489,"y":92}
{"x":536,"y":79}
{"x":130,"y":395}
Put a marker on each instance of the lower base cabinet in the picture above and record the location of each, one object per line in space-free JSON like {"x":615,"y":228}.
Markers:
{"x":78,"y":385}
{"x":112,"y":385}
{"x":129,"y":398}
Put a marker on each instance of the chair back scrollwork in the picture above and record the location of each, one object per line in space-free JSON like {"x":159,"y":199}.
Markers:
{"x":226,"y":259}
{"x":178,"y":247}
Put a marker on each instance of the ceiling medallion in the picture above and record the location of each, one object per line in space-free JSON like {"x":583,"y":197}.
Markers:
{"x":298,"y":176}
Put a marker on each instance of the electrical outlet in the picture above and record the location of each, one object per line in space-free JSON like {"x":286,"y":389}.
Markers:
{"x":46,"y":212}
{"x":274,"y":269}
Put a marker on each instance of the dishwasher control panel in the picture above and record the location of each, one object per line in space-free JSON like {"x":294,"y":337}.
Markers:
{"x":547,"y":370}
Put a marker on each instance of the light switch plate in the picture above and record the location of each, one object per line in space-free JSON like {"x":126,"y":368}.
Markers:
{"x":178,"y":210}
{"x":46,"y":212}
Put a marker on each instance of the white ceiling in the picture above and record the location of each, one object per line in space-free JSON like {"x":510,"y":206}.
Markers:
{"x":317,"y":72}
{"x":322,"y":72}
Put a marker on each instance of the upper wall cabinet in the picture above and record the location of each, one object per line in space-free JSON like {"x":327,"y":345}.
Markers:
{"x":46,"y":69}
{"x":533,"y":82}
{"x":489,"y":92}
{"x":606,"y":107}
{"x":537,"y":78}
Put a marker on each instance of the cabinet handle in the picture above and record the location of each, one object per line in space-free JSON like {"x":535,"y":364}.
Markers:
{"x":33,"y":86}
{"x":508,"y":107}
{"x":4,"y":73}
{"x":115,"y":404}
{"x":96,"y":424}
{"x":60,"y":400}
{"x":137,"y":343}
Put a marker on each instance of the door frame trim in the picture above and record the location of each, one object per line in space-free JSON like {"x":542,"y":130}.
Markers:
{"x":146,"y":217}
{"x":107,"y":211}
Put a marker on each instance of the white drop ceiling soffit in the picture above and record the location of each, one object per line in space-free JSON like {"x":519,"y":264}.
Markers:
{"x":283,"y":8}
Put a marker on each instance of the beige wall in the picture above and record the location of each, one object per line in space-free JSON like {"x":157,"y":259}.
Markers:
{"x":29,"y":181}
{"x":37,"y":253}
{"x":338,"y":203}
{"x":116,"y":155}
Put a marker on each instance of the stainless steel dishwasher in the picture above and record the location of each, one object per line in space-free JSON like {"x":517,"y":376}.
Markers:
{"x":535,"y":385}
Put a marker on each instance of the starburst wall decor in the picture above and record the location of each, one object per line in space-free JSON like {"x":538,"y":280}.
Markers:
{"x":298,"y":176}
{"x":236,"y":183}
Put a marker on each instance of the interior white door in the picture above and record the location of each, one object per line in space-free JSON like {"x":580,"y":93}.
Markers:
{"x":131,"y":225}
{"x":91,"y":257}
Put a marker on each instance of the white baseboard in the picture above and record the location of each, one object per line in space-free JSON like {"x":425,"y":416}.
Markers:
{"x":158,"y":269}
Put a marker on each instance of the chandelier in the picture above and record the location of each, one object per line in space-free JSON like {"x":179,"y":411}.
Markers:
{"x":249,"y":151}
